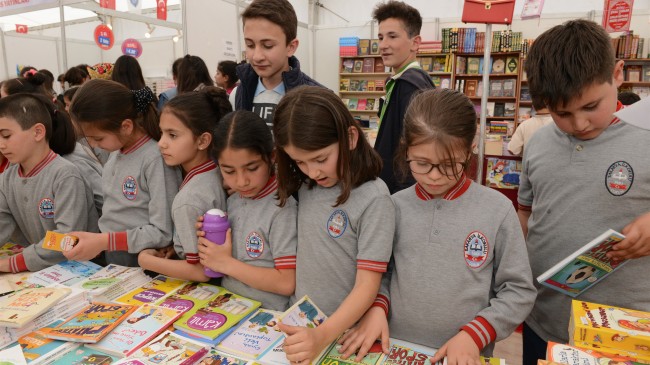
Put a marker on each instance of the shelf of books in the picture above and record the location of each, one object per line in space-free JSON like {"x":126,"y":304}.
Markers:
{"x":636,"y":73}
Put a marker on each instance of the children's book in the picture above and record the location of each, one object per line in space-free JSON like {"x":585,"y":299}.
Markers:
{"x":85,"y":356}
{"x":215,"y":357}
{"x":254,"y":336}
{"x":189,"y":296}
{"x":67,"y":273}
{"x":610,"y":326}
{"x":334,"y":357}
{"x":13,"y":356}
{"x":610,"y":351}
{"x":400,"y":354}
{"x":168,"y":349}
{"x":20,"y":307}
{"x":275,"y":355}
{"x":588,"y":265}
{"x":60,"y":242}
{"x":347,"y":65}
{"x":38,"y":349}
{"x":90,"y":324}
{"x":113,"y":281}
{"x":10,"y":249}
{"x":303,"y":313}
{"x":569,"y":355}
{"x":145,"y":323}
{"x":152,"y":291}
{"x":345,"y":85}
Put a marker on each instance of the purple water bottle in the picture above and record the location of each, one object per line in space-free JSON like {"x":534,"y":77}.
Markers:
{"x":215,"y":226}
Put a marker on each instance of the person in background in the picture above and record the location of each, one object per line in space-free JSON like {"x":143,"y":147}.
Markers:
{"x":628,"y":97}
{"x":127,"y":71}
{"x":193,"y":75}
{"x":226,"y":76}
{"x":528,"y":127}
{"x":75,"y":76}
{"x":49,"y":82}
{"x":168,"y":94}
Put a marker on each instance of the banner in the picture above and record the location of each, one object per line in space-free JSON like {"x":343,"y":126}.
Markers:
{"x":617,"y":15}
{"x":107,"y":4}
{"x":161,"y":8}
{"x":21,"y":28}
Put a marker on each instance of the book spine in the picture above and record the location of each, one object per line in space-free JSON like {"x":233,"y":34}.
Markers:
{"x":196,"y":357}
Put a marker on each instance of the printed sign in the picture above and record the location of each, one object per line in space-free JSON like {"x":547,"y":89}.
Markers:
{"x":104,"y":37}
{"x":617,"y":15}
{"x":132,"y":47}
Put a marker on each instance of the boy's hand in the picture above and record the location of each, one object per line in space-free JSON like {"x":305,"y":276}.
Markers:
{"x":373,"y":325}
{"x":216,"y":257}
{"x":302,"y":344}
{"x":460,"y":350}
{"x":90,"y":245}
{"x":637,"y":240}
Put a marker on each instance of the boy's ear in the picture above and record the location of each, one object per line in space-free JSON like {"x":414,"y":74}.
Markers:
{"x":619,"y":75}
{"x":292,"y":47}
{"x":39,"y":132}
{"x":353,"y":135}
{"x":416,"y":43}
{"x":204,"y":140}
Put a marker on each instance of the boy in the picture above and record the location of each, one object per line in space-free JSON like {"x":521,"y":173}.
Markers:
{"x":585,"y":174}
{"x":399,"y":39}
{"x":270,"y":31}
{"x":525,"y":130}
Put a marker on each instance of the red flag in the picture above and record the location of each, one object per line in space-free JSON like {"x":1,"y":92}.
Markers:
{"x":161,"y":12}
{"x":21,"y":28}
{"x":108,"y":4}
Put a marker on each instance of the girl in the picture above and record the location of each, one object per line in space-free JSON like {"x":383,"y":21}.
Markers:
{"x":39,"y":191}
{"x":193,"y":75}
{"x":346,"y":220}
{"x":187,"y":123}
{"x":262,"y":261}
{"x":226,"y":76}
{"x":138,"y":188}
{"x":459,"y":258}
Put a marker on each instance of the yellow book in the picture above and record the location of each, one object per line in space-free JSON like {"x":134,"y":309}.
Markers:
{"x":17,"y":309}
{"x":152,"y":291}
{"x":56,"y":241}
{"x":612,"y":352}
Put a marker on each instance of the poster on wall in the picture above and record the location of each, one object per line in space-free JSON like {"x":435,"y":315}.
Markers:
{"x":132,"y":47}
{"x":104,"y":37}
{"x":617,"y":15}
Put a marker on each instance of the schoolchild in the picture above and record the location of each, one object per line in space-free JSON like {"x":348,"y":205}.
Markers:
{"x":259,"y":256}
{"x":39,"y":191}
{"x":188,"y":122}
{"x":270,"y":33}
{"x":346,"y":221}
{"x":460,"y":278}
{"x":138,"y":187}
{"x":582,"y":175}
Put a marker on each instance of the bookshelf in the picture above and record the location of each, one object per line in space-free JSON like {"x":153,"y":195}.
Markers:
{"x":636,"y":73}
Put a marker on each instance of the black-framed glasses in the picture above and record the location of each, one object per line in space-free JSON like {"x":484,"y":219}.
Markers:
{"x":449,"y":169}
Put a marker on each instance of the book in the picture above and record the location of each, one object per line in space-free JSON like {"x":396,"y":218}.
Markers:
{"x":512,"y":65}
{"x":610,"y":351}
{"x":85,"y":356}
{"x":113,"y":281}
{"x":189,"y":296}
{"x":334,"y":357}
{"x":38,"y":349}
{"x":13,"y":355}
{"x":371,"y":85}
{"x":427,"y":64}
{"x":363,"y":85}
{"x":145,"y":323}
{"x":570,"y":355}
{"x":368,"y":64}
{"x":168,"y":348}
{"x":610,"y":326}
{"x":379,"y":65}
{"x":67,"y":273}
{"x":347,"y":65}
{"x":509,"y":110}
{"x":303,"y":313}
{"x":439,"y":64}
{"x":152,"y":291}
{"x":370,"y":104}
{"x":498,"y":66}
{"x":400,"y":354}
{"x":461,"y":65}
{"x":490,"y":109}
{"x":496,"y":88}
{"x":354,"y":85}
{"x":361,"y":105}
{"x":509,"y":88}
{"x":633,"y":73}
{"x":379,"y":85}
{"x":217,"y":315}
{"x":9,"y":249}
{"x":470,"y":88}
{"x":90,"y":324}
{"x":19,"y":308}
{"x":364,"y":47}
{"x":345,"y":85}
{"x":216,"y":357}
{"x":473,"y":64}
{"x":352,"y":104}
{"x":588,"y":265}
{"x":60,"y":242}
{"x":254,"y":336}
{"x":374,"y":46}
{"x":358,"y":66}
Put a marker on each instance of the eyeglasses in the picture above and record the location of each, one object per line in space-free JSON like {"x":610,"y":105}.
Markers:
{"x":449,"y":169}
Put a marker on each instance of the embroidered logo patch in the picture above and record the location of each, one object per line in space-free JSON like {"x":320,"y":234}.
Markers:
{"x":337,"y":223}
{"x":46,"y":208}
{"x":130,"y":188}
{"x":254,"y":245}
{"x":619,"y":178}
{"x":475,"y":249}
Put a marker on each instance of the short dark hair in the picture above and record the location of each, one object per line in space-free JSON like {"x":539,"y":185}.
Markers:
{"x":192,"y":72}
{"x":409,"y":15}
{"x":567,"y":58}
{"x":229,"y":68}
{"x":243,"y":129}
{"x":70,"y":92}
{"x":127,"y":71}
{"x":75,"y":76}
{"x":628,"y":97}
{"x":278,"y":12}
{"x":33,"y":84}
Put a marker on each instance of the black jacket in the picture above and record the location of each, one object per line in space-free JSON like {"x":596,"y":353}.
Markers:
{"x":392,"y":124}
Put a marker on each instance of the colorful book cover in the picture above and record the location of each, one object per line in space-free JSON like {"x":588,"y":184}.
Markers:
{"x":168,"y":349}
{"x":59,"y":241}
{"x":347,"y":65}
{"x":85,"y":356}
{"x":37,"y":349}
{"x":216,"y":316}
{"x":90,"y":324}
{"x":345,"y":85}
{"x":403,"y":355}
{"x":303,"y":313}
{"x":358,"y":66}
{"x":12,"y":356}
{"x":67,"y":273}
{"x":20,"y":307}
{"x":254,"y":336}
{"x":189,"y":296}
{"x":610,"y":326}
{"x":611,"y":352}
{"x":152,"y":291}
{"x":113,"y":281}
{"x":145,"y":323}
{"x":215,"y":357}
{"x":10,"y":249}
{"x":368,"y":65}
{"x":473,"y":64}
{"x":334,"y":357}
{"x":587,"y":266}
{"x":569,"y":355}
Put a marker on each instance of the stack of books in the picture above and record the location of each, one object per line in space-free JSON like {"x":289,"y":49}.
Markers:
{"x":348,"y":46}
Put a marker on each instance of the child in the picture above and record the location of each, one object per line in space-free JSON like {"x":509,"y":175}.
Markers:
{"x":261,"y":264}
{"x":570,"y":190}
{"x":270,"y":31}
{"x":459,"y":255}
{"x":39,"y":191}
{"x":399,"y":39}
{"x":346,"y":221}
{"x":188,"y":122}
{"x":525,"y":130}
{"x":138,"y":188}
{"x":226,"y":76}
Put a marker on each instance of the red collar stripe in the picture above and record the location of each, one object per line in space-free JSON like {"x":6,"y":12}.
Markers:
{"x":39,"y":166}
{"x":204,"y":167}
{"x":455,"y":192}
{"x":139,"y":143}
{"x":4,"y":166}
{"x":619,"y":106}
{"x":270,"y":187}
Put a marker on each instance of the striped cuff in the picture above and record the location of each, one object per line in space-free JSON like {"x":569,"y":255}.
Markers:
{"x":375,"y":266}
{"x":286,"y":262}
{"x":525,"y":208}
{"x":117,"y":241}
{"x":481,"y":332}
{"x":192,"y":258}
{"x":382,"y":302}
{"x":17,"y":263}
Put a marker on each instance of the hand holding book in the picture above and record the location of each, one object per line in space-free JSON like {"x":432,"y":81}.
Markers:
{"x":637,"y":240}
{"x":460,"y":349}
{"x":303,"y":345}
{"x":360,"y":338}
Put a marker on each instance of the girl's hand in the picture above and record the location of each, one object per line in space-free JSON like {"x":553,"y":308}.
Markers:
{"x":166,"y":252}
{"x":199,"y":226}
{"x":302,"y":344}
{"x":216,"y":257}
{"x":460,"y":350}
{"x":4,"y":265}
{"x":89,"y":246}
{"x":372,"y":326}
{"x":637,"y":240}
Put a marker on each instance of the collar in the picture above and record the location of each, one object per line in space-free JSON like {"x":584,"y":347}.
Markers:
{"x":398,"y":74}
{"x":39,"y":166}
{"x":280,"y":89}
{"x":204,"y":167}
{"x":4,"y":166}
{"x":454,"y":193}
{"x":619,"y":106}
{"x":270,"y":187}
{"x":139,"y":143}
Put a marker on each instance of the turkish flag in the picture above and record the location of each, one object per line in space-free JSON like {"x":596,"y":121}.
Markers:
{"x":21,"y":28}
{"x":161,"y":12}
{"x":108,"y":4}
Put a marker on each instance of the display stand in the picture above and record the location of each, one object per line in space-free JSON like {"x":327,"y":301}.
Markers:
{"x":484,"y":100}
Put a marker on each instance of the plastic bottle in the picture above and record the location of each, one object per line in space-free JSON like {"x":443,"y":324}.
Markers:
{"x":215,"y":226}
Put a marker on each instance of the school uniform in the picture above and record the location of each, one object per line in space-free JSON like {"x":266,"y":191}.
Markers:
{"x":264,"y":235}
{"x":51,"y":197}
{"x":576,"y":190}
{"x":337,"y":241}
{"x":459,"y":262}
{"x":200,"y":191}
{"x":91,"y":170}
{"x":138,"y":193}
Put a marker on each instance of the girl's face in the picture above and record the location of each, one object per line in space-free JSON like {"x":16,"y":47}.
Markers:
{"x":423,"y":155}
{"x":67,"y":103}
{"x":16,"y":144}
{"x":100,"y":138}
{"x":178,"y":145}
{"x":244,"y":170}
{"x":319,"y":165}
{"x":220,"y":79}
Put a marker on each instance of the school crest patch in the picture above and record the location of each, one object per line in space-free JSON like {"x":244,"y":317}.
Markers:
{"x":130,"y":188}
{"x":476,"y":249}
{"x":337,"y":223}
{"x":254,"y":245}
{"x":619,"y":178}
{"x":46,"y":208}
